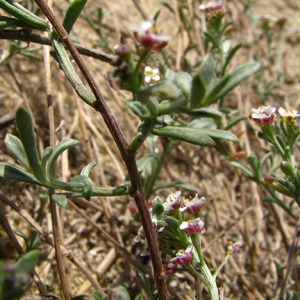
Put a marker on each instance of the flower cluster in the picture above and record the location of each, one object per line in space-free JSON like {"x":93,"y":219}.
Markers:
{"x":178,"y":228}
{"x":266,"y":114}
{"x":172,"y":229}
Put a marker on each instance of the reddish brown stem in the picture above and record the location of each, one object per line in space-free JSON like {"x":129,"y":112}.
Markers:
{"x":128,"y":157}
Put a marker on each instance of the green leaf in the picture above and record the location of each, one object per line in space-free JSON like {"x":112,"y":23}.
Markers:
{"x":11,"y":22}
{"x":145,"y":283}
{"x":212,"y":94}
{"x":238,"y":75}
{"x":207,"y":71}
{"x":244,"y":169}
{"x":203,"y":112}
{"x":231,"y":55}
{"x":11,"y":172}
{"x":220,"y":134}
{"x":137,"y":108}
{"x":173,"y":222}
{"x":147,"y":164}
{"x":61,"y":200}
{"x":25,"y":127}
{"x":27,"y":262}
{"x":60,"y":147}
{"x":73,"y":13}
{"x":23,"y":14}
{"x":212,"y":39}
{"x":87,"y":169}
{"x":235,"y":121}
{"x":157,"y":207}
{"x":197,"y":92}
{"x":183,"y":80}
{"x":185,"y":134}
{"x":124,"y":295}
{"x":45,"y":156}
{"x":82,"y":184}
{"x":15,"y":146}
{"x":98,"y":295}
{"x":168,"y":6}
{"x":165,"y":89}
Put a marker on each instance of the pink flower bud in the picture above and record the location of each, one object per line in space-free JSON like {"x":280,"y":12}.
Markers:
{"x":193,"y":226}
{"x":192,"y":206}
{"x":263,"y":115}
{"x":234,"y":247}
{"x":146,"y":34}
{"x":183,"y":256}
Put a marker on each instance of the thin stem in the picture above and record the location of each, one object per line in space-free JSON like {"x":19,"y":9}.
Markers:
{"x":128,"y":157}
{"x":53,"y":208}
{"x":58,"y":252}
{"x":27,"y":35}
{"x":207,"y":278}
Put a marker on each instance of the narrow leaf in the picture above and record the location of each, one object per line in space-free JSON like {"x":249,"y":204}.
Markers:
{"x":203,"y":112}
{"x":60,"y":147}
{"x":231,"y":55}
{"x":124,"y":295}
{"x":15,"y":146}
{"x":207,"y":70}
{"x":238,"y":75}
{"x":137,"y":108}
{"x":185,"y":134}
{"x":23,"y":14}
{"x":87,"y":169}
{"x":73,"y":13}
{"x":220,"y":134}
{"x":46,"y":154}
{"x":25,"y":127}
{"x":11,"y":172}
{"x":197,"y":91}
{"x":244,"y":169}
{"x":212,"y":95}
{"x":27,"y":262}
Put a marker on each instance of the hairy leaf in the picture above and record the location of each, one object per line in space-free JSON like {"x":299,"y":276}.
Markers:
{"x":185,"y":134}
{"x":15,"y":146}
{"x":11,"y":172}
{"x":25,"y":127}
{"x":73,"y":13}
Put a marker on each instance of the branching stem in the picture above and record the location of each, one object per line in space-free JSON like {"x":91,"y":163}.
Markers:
{"x":128,"y":157}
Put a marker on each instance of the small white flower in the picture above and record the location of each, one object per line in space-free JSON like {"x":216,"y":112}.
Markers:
{"x":288,"y":112}
{"x":152,"y":76}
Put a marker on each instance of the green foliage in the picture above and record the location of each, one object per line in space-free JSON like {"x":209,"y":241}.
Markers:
{"x":41,"y":172}
{"x":98,"y":296}
{"x":31,"y":241}
{"x":73,"y":13}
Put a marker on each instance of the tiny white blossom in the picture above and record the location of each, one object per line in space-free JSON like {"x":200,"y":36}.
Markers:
{"x":288,"y":112}
{"x":151,"y":75}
